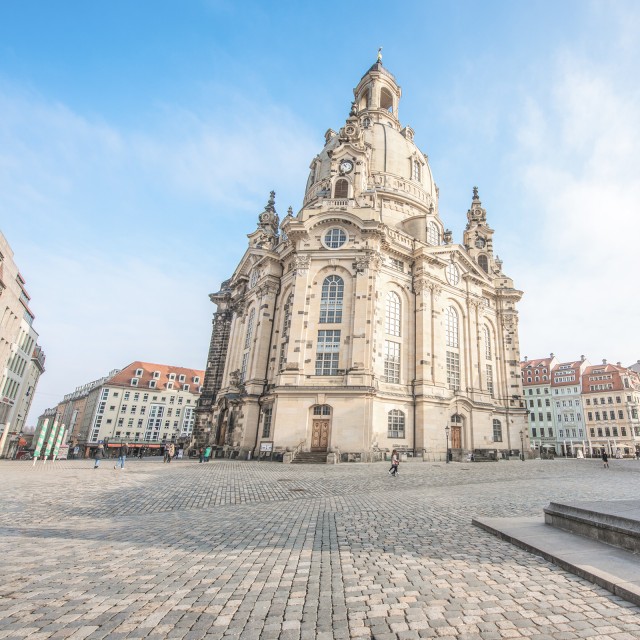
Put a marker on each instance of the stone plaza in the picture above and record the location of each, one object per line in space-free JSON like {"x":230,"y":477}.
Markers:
{"x":238,"y":549}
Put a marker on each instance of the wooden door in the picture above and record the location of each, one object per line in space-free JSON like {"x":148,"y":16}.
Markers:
{"x":320,"y":435}
{"x":456,"y":438}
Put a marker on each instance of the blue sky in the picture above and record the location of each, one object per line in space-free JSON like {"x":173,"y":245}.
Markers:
{"x":139,"y":141}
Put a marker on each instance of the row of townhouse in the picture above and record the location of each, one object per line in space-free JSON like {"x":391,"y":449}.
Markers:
{"x":576,"y":408}
{"x":21,"y":359}
{"x":143,"y":404}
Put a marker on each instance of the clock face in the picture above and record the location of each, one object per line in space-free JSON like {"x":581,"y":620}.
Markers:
{"x":346,"y":166}
{"x":480,"y":243}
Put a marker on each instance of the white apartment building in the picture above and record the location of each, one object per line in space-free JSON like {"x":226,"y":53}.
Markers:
{"x":21,"y":359}
{"x":145,"y":404}
{"x":568,"y":413}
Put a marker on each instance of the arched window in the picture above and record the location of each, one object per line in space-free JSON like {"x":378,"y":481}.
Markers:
{"x":483,"y":262}
{"x":331,"y":299}
{"x":386,"y":100}
{"x":487,"y":342}
{"x":451,"y":329}
{"x":250,"y":322}
{"x":392,"y":314}
{"x":322,"y":410}
{"x":341,"y":189}
{"x":395,"y":424}
{"x":456,"y":418}
{"x":416,"y":170}
{"x":497,"y":430}
{"x":254,"y":278}
{"x":433,"y":234}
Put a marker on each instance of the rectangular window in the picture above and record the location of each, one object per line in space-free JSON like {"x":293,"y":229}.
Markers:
{"x":453,"y":370}
{"x":328,"y":352}
{"x":490,"y":380}
{"x":243,"y":368}
{"x":540,"y":417}
{"x":392,"y":361}
{"x":534,"y":432}
{"x":266,"y":421}
{"x":597,"y":415}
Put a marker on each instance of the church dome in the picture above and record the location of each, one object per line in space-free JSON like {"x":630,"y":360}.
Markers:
{"x":385,"y":153}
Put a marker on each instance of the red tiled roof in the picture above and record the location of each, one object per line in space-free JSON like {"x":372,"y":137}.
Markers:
{"x":124,"y":377}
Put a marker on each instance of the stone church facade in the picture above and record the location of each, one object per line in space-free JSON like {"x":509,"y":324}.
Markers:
{"x":358,"y":326}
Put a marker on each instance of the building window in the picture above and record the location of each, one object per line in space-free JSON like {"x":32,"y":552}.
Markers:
{"x":416,"y":170}
{"x":497,"y":431}
{"x":266,"y":421}
{"x":483,"y":262}
{"x":395,"y":424}
{"x":451,"y":328}
{"x":392,"y":314}
{"x":328,"y":352}
{"x":335,"y":238}
{"x":487,"y":342}
{"x":392,"y":361}
{"x":322,"y":410}
{"x":331,"y":300}
{"x":250,"y":322}
{"x":452,"y":273}
{"x":286,"y":325}
{"x":453,"y":370}
{"x":433,"y":234}
{"x":490,"y":379}
{"x":243,"y":369}
{"x":341,"y":189}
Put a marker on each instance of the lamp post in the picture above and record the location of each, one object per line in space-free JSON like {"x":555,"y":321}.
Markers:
{"x":446,"y":432}
{"x":522,"y":445}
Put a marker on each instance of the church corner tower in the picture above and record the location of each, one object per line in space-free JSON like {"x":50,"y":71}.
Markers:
{"x":358,"y":326}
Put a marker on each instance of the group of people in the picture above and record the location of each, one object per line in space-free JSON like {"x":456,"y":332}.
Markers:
{"x":205,"y":454}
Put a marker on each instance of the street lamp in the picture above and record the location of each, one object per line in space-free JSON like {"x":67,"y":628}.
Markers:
{"x":522,"y":445}
{"x":446,"y":432}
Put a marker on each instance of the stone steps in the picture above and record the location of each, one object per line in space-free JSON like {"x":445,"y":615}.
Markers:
{"x":310,"y":457}
{"x":616,"y":523}
{"x":598,"y":541}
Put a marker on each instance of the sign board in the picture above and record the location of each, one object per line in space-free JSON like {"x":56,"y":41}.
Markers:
{"x":63,"y":452}
{"x":266,"y":446}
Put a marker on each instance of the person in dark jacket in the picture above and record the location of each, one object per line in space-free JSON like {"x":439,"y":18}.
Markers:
{"x":98,"y":455}
{"x":122,"y":455}
{"x":605,"y":459}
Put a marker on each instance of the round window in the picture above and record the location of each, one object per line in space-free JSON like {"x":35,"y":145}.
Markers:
{"x":453,"y":275}
{"x":335,"y":238}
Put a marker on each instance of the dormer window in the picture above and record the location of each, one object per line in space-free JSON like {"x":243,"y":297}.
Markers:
{"x":416,"y":170}
{"x":152,"y":384}
{"x":169,"y":385}
{"x":134,"y":382}
{"x":181,"y":378}
{"x":185,"y":387}
{"x":196,"y":379}
{"x":139,"y":373}
{"x":156,"y":375}
{"x":200,"y":389}
{"x":172,"y":376}
{"x":341,"y":189}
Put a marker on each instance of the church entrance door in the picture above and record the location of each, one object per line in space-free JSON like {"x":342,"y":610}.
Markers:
{"x":320,"y":435}
{"x":456,"y":438}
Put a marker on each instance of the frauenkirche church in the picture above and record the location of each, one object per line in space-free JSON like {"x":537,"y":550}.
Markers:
{"x":358,"y":326}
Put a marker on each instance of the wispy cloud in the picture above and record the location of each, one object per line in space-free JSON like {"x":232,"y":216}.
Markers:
{"x":578,"y":154}
{"x":123,"y":232}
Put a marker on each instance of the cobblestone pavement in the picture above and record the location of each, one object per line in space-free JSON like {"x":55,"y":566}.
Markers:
{"x":265,"y":550}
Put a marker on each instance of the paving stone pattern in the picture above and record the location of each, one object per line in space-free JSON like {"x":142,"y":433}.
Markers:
{"x":265,"y":550}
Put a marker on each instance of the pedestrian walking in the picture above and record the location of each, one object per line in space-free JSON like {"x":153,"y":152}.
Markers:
{"x":207,"y":454}
{"x":605,"y":459}
{"x":395,"y":463}
{"x":169,"y":452}
{"x":123,"y":451}
{"x":201,"y":455}
{"x":98,"y":455}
